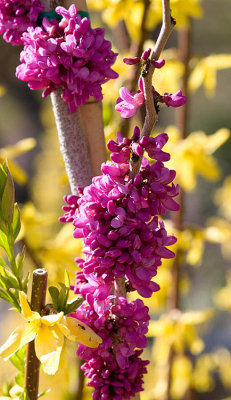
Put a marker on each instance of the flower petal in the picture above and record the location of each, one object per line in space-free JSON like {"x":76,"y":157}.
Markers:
{"x":26,"y":310}
{"x":48,"y":346}
{"x":18,"y":338}
{"x":51,"y":319}
{"x":12,"y":344}
{"x":126,"y":95}
{"x":50,"y":362}
{"x":81,"y":332}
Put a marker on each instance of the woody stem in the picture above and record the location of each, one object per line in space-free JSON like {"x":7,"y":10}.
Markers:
{"x":38,"y":298}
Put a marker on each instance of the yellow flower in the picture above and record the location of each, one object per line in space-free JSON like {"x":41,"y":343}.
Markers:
{"x":131,"y":11}
{"x":177,"y":329}
{"x":192,"y":241}
{"x":193,"y":155}
{"x":205,"y":71}
{"x":10,"y":152}
{"x":181,"y":376}
{"x":202,"y":379}
{"x":113,"y":11}
{"x":48,"y":332}
{"x":181,"y":10}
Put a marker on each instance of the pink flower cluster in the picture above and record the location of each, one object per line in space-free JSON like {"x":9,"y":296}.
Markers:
{"x":118,"y":218}
{"x":115,"y":369}
{"x":16,"y":16}
{"x":123,"y":237}
{"x":69,"y":55}
{"x":128,"y":103}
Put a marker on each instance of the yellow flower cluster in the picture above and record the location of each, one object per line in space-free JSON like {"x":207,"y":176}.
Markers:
{"x":174,"y":332}
{"x":182,"y":11}
{"x":204,"y":72}
{"x":132,"y":11}
{"x":193,"y":156}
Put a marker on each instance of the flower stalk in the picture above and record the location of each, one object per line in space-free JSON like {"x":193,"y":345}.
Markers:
{"x":38,"y":298}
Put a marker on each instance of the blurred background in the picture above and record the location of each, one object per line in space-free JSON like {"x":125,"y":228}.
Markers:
{"x":190,"y":337}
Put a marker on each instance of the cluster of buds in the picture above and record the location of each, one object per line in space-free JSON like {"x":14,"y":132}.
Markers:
{"x":128,"y":103}
{"x":69,"y":55}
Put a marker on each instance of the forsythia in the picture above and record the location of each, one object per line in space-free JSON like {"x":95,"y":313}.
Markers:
{"x":48,"y":332}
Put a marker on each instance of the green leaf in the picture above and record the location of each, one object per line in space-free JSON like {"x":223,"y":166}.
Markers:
{"x":73,"y":305}
{"x":3,"y":225}
{"x":67,"y":284}
{"x":54,"y":293}
{"x":62,"y":296}
{"x":25,"y":283}
{"x":4,"y":295}
{"x":4,"y":242}
{"x":18,"y":359}
{"x":12,"y":281}
{"x":7,"y":203}
{"x":19,"y":379}
{"x":3,"y":263}
{"x":19,"y":262}
{"x":16,"y":221}
{"x":3,"y":177}
{"x":66,"y":279}
{"x":13,"y":300}
{"x":6,"y":388}
{"x":44,"y":393}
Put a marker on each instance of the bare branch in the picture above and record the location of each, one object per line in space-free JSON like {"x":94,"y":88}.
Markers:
{"x":151,"y":114}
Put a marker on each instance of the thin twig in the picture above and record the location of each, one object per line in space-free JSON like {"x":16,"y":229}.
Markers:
{"x":38,"y":298}
{"x":151,"y":114}
{"x":136,"y":51}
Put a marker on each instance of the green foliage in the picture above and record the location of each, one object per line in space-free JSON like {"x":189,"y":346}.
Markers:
{"x":60,"y":297}
{"x":18,"y":359}
{"x":11,"y":271}
{"x":43,"y":393}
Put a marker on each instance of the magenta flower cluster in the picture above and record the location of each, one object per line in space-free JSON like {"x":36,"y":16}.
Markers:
{"x":115,"y":369}
{"x":69,"y":55}
{"x":16,"y":16}
{"x":128,"y":103}
{"x":117,"y":217}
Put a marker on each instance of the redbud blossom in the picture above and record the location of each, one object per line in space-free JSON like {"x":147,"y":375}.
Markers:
{"x":16,"y":16}
{"x":69,"y":55}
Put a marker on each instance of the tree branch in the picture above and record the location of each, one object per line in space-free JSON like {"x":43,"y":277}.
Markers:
{"x":38,"y":298}
{"x":151,"y":114}
{"x":136,"y":51}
